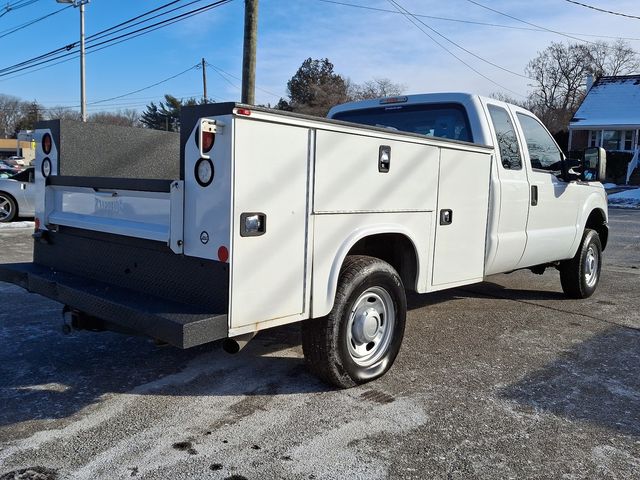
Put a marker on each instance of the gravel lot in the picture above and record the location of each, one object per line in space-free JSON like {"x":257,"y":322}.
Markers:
{"x":506,"y":379}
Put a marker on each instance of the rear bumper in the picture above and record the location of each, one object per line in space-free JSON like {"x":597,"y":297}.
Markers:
{"x":176,"y":323}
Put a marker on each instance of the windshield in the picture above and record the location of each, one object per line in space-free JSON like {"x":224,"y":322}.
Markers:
{"x":443,"y":120}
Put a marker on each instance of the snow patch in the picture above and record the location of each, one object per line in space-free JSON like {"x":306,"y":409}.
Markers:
{"x":14,"y":225}
{"x":626,"y":199}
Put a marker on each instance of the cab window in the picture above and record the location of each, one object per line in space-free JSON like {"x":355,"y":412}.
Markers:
{"x":543,"y":151}
{"x":506,"y":136}
{"x":442,"y":120}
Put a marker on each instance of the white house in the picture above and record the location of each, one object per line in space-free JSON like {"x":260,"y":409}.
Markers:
{"x":609,"y":116}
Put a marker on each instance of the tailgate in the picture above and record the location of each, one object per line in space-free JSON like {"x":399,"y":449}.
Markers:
{"x":140,"y":208}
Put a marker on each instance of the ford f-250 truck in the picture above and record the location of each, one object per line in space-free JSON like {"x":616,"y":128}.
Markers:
{"x":266,"y":218}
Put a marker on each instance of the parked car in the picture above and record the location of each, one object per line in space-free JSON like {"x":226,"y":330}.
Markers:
{"x":17,"y":195}
{"x":7,"y":170}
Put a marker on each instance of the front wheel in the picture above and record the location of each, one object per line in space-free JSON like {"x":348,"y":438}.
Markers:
{"x":580,"y":275}
{"x":360,"y":338}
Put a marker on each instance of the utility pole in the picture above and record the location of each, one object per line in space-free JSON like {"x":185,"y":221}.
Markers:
{"x":83,"y":93}
{"x":83,"y":85}
{"x":204,"y":80}
{"x":249,"y":51}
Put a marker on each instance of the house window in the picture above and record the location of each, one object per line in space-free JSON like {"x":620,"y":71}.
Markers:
{"x":620,"y":140}
{"x":627,"y":140}
{"x":594,"y":138}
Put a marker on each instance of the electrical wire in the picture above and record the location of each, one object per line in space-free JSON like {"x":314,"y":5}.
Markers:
{"x":17,"y":28}
{"x":417,"y":25}
{"x":529,"y":23}
{"x":147,"y":87}
{"x":470,"y":22}
{"x":10,"y":7}
{"x":460,"y":46}
{"x":603,"y":10}
{"x":57,"y":54}
{"x":221,"y":73}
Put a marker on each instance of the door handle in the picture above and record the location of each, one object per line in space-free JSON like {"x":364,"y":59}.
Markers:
{"x":534,"y":195}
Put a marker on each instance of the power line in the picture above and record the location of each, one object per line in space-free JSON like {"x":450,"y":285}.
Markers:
{"x":17,"y":28}
{"x":57,"y":54}
{"x":528,"y":23}
{"x":221,"y":73}
{"x":10,"y":7}
{"x":90,"y":38}
{"x":147,"y":87}
{"x":414,"y":22}
{"x":460,"y":46}
{"x":469,"y":22}
{"x":603,"y":10}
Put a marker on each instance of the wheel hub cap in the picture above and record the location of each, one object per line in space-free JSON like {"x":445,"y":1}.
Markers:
{"x":591,"y":267}
{"x":370,"y":326}
{"x":366,"y":325}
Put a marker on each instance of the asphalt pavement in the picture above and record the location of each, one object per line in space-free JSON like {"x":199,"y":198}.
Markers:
{"x":504,"y":379}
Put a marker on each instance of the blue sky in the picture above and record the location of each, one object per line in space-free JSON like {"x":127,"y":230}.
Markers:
{"x":362,"y":44}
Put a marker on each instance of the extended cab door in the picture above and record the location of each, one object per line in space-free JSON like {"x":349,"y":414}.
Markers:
{"x":553,"y":202}
{"x":512,"y":193}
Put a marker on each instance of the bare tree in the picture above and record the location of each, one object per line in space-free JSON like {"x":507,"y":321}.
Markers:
{"x":376,"y":88}
{"x":123,"y":118}
{"x":63,"y":113}
{"x":617,"y":58}
{"x":11,"y":109}
{"x":559,"y":73}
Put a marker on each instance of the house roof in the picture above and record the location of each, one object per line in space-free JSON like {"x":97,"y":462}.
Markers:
{"x":611,"y":102}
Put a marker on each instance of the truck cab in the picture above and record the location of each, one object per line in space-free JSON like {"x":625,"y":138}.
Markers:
{"x":538,"y":207}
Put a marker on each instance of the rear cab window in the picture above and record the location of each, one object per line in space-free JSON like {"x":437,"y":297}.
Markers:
{"x":506,"y":136}
{"x":442,"y":120}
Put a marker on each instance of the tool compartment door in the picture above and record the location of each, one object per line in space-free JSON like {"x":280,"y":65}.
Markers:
{"x":461,"y":218}
{"x":268,"y":268}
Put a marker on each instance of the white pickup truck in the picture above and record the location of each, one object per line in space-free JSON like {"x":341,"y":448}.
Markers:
{"x":277,"y":218}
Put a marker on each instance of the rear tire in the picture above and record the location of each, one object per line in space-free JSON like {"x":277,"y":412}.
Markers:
{"x":580,"y":275}
{"x":8,"y":208}
{"x":360,"y":338}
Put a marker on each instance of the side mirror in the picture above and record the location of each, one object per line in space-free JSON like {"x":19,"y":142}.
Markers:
{"x":594,"y":165}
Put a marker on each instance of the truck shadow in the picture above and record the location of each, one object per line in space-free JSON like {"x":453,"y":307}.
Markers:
{"x":45,"y":375}
{"x":480,"y":290}
{"x":596,"y":382}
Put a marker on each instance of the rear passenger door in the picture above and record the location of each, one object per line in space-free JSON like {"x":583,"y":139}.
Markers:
{"x":553,"y":202}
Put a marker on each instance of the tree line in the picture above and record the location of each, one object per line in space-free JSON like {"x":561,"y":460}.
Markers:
{"x":557,"y":73}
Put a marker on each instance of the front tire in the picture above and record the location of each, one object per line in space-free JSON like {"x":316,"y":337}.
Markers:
{"x":580,"y":275}
{"x":360,"y":338}
{"x":8,"y":208}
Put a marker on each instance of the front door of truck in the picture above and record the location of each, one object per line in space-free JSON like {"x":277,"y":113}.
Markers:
{"x":553,"y":202}
{"x":512,"y":194}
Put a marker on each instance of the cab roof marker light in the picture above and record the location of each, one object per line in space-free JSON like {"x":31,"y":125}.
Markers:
{"x":386,"y":101}
{"x":243,"y":111}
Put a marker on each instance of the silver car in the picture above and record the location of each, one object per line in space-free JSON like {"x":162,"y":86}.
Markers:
{"x":17,"y":196}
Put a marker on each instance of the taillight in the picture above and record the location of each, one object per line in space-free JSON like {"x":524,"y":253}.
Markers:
{"x":208,"y":139}
{"x":243,"y":111}
{"x":46,"y":144}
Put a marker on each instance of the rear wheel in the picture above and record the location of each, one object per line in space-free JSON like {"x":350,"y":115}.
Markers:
{"x":580,"y":275}
{"x":360,"y":338}
{"x":8,"y":208}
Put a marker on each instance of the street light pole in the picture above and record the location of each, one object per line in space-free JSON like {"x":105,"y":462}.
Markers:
{"x":83,"y":93}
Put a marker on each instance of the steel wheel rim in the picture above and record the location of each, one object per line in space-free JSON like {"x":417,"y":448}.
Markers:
{"x":591,"y":261}
{"x":5,"y":208}
{"x":370,"y":327}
